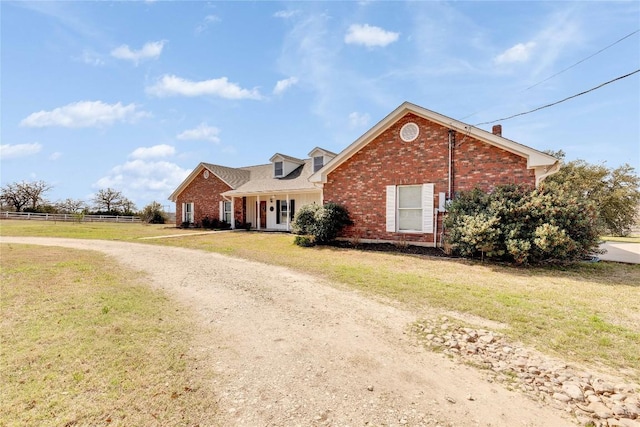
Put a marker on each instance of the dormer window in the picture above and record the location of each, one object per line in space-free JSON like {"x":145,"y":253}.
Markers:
{"x":277,"y":169}
{"x":318,"y":163}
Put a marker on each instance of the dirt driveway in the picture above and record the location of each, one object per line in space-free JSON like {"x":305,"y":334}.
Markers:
{"x":290,"y":349}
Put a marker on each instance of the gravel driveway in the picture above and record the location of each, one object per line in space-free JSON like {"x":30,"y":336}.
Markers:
{"x":291,"y":349}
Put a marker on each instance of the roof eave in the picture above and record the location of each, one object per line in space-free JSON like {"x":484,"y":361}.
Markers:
{"x":534,"y":157}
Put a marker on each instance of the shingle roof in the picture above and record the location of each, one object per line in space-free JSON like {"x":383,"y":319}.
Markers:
{"x":262,"y":180}
{"x":234,"y":177}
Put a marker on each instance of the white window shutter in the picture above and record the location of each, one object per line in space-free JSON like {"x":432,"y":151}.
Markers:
{"x":427,"y":208}
{"x":391,"y":208}
{"x":184,"y":212}
{"x":221,"y":211}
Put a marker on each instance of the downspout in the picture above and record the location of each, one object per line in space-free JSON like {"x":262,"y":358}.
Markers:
{"x":435,"y":229}
{"x":450,"y":177}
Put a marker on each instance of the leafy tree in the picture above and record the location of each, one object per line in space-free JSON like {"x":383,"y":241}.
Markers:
{"x":153,"y":214}
{"x":21,"y":194}
{"x":521,"y":225}
{"x":323,"y":223}
{"x":615,"y":192}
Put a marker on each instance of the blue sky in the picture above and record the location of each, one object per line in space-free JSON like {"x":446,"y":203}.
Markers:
{"x":133,"y":95}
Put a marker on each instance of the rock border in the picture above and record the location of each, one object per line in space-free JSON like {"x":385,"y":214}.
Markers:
{"x":591,"y":400}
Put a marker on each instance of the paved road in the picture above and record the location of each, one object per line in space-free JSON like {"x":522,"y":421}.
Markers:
{"x":621,"y":252}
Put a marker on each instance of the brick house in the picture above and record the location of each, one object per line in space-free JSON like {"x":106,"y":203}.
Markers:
{"x":394,"y":179}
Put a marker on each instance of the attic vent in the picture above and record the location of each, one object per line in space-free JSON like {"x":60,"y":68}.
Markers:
{"x":205,"y":174}
{"x":409,"y":132}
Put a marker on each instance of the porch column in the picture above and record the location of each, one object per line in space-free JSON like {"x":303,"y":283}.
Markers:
{"x":258,"y":212}
{"x":288,"y":212}
{"x":233,"y":212}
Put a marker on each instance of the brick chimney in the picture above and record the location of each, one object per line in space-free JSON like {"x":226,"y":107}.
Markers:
{"x":497,"y":130}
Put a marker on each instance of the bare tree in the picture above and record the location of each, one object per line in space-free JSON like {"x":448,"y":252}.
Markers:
{"x":71,"y":205}
{"x":34,"y":192}
{"x":107,"y":199}
{"x":21,"y":194}
{"x":127,"y":206}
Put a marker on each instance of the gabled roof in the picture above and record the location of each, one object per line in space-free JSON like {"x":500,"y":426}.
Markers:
{"x":233,"y":177}
{"x":287,"y":158}
{"x":263,"y":182}
{"x":534,"y":157}
{"x":322,"y":151}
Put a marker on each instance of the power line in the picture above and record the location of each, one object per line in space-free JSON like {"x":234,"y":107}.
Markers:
{"x":566,"y":69}
{"x":581,"y":61}
{"x":562,"y":100}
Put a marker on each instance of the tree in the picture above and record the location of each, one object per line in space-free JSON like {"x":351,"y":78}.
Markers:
{"x":153,"y":214}
{"x":71,"y":205}
{"x":126,"y":206}
{"x":21,"y":194}
{"x":34,"y":192}
{"x":615,"y":192}
{"x":108,"y":200}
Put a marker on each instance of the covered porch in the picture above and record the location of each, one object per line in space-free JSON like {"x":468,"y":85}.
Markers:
{"x":269,"y":211}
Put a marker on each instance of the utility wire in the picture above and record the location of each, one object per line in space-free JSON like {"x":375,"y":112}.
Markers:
{"x":566,"y":69}
{"x":562,"y":100}
{"x":581,"y":61}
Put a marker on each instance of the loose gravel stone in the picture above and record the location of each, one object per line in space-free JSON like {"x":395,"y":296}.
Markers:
{"x":590,"y":399}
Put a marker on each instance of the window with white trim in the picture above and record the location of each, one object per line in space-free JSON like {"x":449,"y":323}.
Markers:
{"x":278,"y":170}
{"x":409,"y":208}
{"x":318,"y":163}
{"x":283,"y":209}
{"x":187,"y":212}
{"x":227,"y":212}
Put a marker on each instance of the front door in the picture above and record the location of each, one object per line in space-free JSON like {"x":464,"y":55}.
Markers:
{"x":263,"y":214}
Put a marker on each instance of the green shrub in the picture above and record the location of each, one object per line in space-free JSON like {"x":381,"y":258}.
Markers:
{"x":153,"y":214}
{"x":304,"y":241}
{"x":322,"y":222}
{"x":521,"y":225}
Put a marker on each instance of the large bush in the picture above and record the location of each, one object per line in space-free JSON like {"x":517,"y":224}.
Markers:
{"x":153,"y":214}
{"x":522,"y":226}
{"x":322,"y":223}
{"x":615,"y":192}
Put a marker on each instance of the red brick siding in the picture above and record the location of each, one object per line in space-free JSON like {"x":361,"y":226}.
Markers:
{"x":360,"y":182}
{"x":205,"y":195}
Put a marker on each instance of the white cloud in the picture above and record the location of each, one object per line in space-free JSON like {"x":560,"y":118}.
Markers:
{"x":91,"y":58}
{"x":283,"y":85}
{"x":201,"y":133}
{"x":209,"y":19}
{"x":55,"y":156}
{"x":9,"y":151}
{"x":170,"y":85}
{"x":358,"y":120}
{"x":162,"y":150}
{"x":150,"y":50}
{"x":369,"y":36}
{"x":85,"y":114}
{"x":285,"y":14}
{"x":144,"y":180}
{"x":518,"y":53}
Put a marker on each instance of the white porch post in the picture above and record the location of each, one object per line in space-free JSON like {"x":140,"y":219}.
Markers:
{"x":258,"y":212}
{"x":288,"y":212}
{"x":233,"y":213}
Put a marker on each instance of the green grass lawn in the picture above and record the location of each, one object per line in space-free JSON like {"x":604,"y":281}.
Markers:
{"x":585,"y":312}
{"x":85,"y":342}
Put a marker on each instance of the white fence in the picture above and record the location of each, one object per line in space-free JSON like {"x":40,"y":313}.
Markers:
{"x":68,"y":217}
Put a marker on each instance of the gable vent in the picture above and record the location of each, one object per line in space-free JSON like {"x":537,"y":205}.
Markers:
{"x":409,"y":132}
